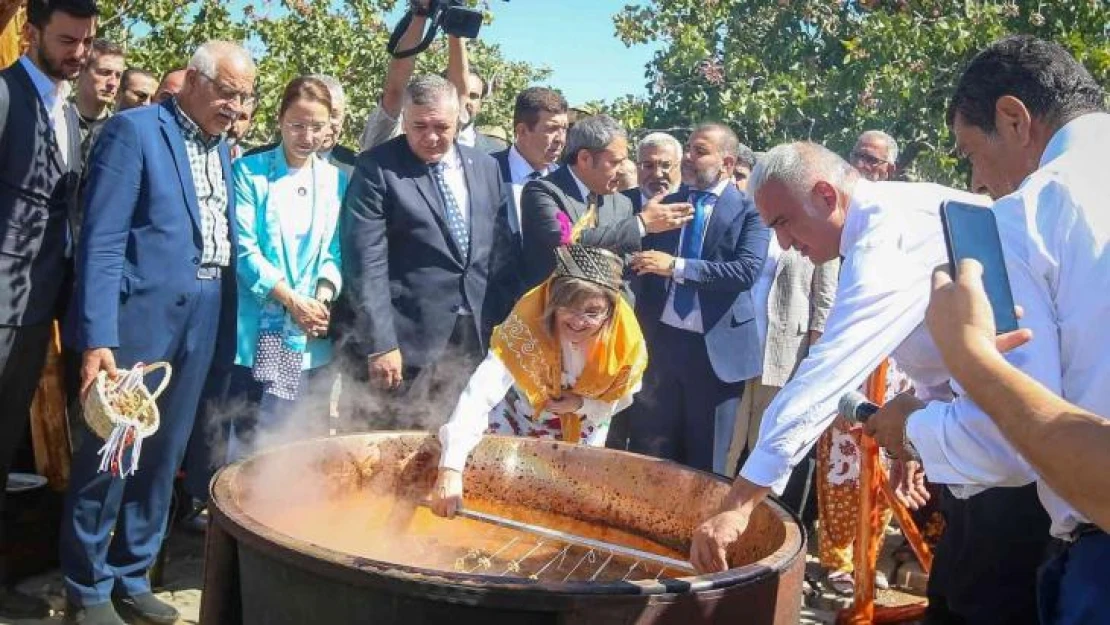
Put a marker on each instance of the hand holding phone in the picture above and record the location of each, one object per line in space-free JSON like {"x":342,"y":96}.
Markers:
{"x":971,"y":231}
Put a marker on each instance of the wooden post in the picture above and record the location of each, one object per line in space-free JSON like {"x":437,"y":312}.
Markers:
{"x":49,"y":427}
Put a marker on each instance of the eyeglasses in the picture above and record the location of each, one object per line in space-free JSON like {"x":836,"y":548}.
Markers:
{"x":592,"y":317}
{"x":227,"y":94}
{"x":302,"y":128}
{"x":869,"y":160}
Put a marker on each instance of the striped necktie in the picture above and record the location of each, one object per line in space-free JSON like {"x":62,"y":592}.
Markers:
{"x":455,"y":222}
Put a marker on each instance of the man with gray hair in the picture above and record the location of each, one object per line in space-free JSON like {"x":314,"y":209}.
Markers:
{"x":658,"y":173}
{"x":341,"y":156}
{"x":875,"y":155}
{"x":176,"y":303}
{"x":890,"y":238}
{"x":580,"y":202}
{"x":425,"y":223}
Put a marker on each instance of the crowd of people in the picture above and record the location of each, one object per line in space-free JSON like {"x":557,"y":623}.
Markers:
{"x":687,"y":299}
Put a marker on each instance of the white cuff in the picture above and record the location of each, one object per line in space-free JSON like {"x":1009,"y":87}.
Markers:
{"x":767,"y":470}
{"x":925,"y":429}
{"x":679,"y":273}
{"x":453,"y":456}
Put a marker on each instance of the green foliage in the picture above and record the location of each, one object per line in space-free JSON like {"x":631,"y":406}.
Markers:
{"x":294,"y":37}
{"x":826,"y":70}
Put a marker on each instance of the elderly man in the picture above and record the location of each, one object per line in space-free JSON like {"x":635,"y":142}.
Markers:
{"x":40,"y":162}
{"x":341,"y":156}
{"x":695,"y":306}
{"x":1033,"y":123}
{"x":658,"y":169}
{"x":97,"y":85}
{"x":136,"y":88}
{"x":539,"y":134}
{"x":422,"y":218}
{"x":583,"y":195}
{"x":875,"y":156}
{"x":165,"y":165}
{"x":170,"y":85}
{"x":890,"y":239}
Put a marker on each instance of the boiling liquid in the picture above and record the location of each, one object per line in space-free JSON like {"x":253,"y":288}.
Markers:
{"x":392,"y":530}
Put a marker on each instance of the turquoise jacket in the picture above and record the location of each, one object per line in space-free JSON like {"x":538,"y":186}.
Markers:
{"x":267,"y":253}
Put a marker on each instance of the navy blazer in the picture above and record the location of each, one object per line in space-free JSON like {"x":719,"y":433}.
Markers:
{"x":141,"y":244}
{"x":732,"y":256}
{"x":405,"y":276}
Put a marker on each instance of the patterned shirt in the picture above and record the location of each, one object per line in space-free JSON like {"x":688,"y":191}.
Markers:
{"x":211,"y":188}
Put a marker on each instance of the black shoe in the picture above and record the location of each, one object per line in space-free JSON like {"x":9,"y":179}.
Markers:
{"x":101,"y":614}
{"x":16,"y":605}
{"x":149,"y":608}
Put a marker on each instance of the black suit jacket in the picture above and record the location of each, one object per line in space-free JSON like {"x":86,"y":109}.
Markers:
{"x":38,"y":201}
{"x":618,"y":230}
{"x":405,"y":276}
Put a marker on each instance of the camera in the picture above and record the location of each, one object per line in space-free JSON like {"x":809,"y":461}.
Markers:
{"x":453,"y":16}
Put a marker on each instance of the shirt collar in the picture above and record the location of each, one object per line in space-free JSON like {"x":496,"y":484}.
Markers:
{"x":854,"y":222}
{"x":520,"y":169}
{"x":452,"y":160}
{"x":716,"y":190}
{"x":190,"y":128}
{"x":50,"y":92}
{"x":1083,"y":130}
{"x":583,"y":190}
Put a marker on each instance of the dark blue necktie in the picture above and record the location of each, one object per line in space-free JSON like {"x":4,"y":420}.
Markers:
{"x":691,"y":249}
{"x":455,"y":222}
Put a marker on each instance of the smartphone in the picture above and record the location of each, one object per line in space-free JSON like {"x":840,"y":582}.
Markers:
{"x":971,"y":231}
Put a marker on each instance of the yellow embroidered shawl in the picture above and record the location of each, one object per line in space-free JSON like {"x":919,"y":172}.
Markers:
{"x":614,"y":365}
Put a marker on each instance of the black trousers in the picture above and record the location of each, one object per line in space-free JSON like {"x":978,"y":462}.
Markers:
{"x":985,"y":567}
{"x":22,"y":356}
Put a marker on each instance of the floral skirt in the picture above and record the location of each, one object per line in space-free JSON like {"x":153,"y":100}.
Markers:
{"x":514,"y":417}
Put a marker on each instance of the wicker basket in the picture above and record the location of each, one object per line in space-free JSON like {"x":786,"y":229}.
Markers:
{"x":102,"y":418}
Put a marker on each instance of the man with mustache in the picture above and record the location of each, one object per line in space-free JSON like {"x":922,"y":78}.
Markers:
{"x":147,"y":294}
{"x":40,"y":164}
{"x":658,"y":169}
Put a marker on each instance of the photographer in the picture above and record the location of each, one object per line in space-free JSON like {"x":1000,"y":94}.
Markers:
{"x":384,"y":122}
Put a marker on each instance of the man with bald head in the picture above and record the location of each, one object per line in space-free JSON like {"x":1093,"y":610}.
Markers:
{"x":694,"y":303}
{"x":175,"y":303}
{"x":170,"y":85}
{"x":875,"y":155}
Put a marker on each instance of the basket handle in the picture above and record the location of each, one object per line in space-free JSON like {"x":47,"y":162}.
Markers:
{"x":151,"y":368}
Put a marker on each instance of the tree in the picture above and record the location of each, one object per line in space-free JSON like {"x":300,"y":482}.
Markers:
{"x":294,"y":37}
{"x":828,"y":69}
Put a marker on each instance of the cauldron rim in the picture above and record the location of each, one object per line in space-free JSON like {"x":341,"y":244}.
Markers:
{"x":449,"y":585}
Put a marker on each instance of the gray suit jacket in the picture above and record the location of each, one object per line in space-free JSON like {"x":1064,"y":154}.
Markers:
{"x":618,"y":230}
{"x":799,"y":302}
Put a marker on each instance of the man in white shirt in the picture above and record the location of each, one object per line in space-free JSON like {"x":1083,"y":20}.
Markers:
{"x":1032,"y":122}
{"x":540,"y":133}
{"x":890,"y":239}
{"x":658,"y":169}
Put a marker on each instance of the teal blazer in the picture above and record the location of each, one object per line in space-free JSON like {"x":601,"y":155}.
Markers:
{"x":268,"y":253}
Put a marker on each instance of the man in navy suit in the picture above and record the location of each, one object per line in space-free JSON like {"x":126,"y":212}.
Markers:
{"x":696,"y":311}
{"x":425,"y":239}
{"x":159,"y":231}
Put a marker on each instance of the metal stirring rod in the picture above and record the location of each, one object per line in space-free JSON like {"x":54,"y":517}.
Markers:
{"x":567,"y":537}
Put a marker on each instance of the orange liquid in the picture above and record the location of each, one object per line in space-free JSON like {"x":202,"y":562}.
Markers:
{"x":391,"y":530}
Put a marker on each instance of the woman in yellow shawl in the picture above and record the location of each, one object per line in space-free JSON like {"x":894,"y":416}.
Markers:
{"x":569,"y":357}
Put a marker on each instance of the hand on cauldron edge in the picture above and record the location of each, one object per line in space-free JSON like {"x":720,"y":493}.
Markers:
{"x":714,"y":538}
{"x":447,"y":493}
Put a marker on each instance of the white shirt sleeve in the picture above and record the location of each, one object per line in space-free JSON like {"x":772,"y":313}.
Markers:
{"x":379,"y":128}
{"x":957,"y":441}
{"x":463,"y":431}
{"x":598,"y":411}
{"x":882,"y":297}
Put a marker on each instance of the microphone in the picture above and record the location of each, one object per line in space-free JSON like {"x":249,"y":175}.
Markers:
{"x":855,"y":407}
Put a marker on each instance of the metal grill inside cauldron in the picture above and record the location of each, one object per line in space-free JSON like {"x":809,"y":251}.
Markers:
{"x":341,"y":519}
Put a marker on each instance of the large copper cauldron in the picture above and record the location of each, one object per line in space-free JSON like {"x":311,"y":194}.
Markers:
{"x":259,"y":574}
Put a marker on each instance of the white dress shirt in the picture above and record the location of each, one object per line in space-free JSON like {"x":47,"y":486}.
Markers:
{"x":761,"y":290}
{"x":1055,"y":233}
{"x":890,"y":243}
{"x":520,"y":172}
{"x":488,"y":386}
{"x":53,"y":95}
{"x":692,"y":322}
